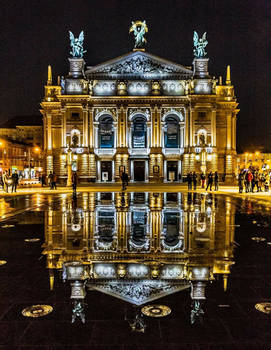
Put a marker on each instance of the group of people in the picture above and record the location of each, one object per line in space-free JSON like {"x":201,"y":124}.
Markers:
{"x":212,"y":178}
{"x":251,"y":179}
{"x":8,"y":181}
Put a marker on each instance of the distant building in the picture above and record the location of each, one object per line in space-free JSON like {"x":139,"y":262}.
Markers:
{"x":256,"y":160}
{"x":21,"y":146}
{"x":27,"y":129}
{"x":154,"y":119}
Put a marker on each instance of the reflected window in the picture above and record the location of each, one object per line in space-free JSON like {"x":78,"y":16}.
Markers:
{"x":172,"y":132}
{"x":171,"y":228}
{"x":139,"y":134}
{"x":139,"y":197}
{"x":172,"y":197}
{"x":106,"y":224}
{"x":106,"y":196}
{"x":139,"y":227}
{"x":106,"y":132}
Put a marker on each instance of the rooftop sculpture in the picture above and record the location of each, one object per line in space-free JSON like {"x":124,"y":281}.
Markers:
{"x":199,"y":45}
{"x":139,"y":28}
{"x":77,"y":45}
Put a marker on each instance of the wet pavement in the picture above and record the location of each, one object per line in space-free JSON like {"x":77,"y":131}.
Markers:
{"x":214,"y":231}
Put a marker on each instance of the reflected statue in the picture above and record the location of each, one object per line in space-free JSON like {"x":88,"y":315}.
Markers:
{"x":138,"y":323}
{"x":196,"y":312}
{"x":139,"y":28}
{"x":77,"y":45}
{"x":78,"y":311}
{"x":199,"y":45}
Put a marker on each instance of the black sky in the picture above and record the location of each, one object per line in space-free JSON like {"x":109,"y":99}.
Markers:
{"x":34,"y":33}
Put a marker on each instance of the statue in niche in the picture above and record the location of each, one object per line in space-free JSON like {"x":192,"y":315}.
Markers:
{"x":139,"y":28}
{"x":75,"y":140}
{"x":199,"y":45}
{"x":202,"y":140}
{"x":77,"y":45}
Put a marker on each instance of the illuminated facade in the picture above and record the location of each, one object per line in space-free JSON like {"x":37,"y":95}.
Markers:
{"x":153,"y":118}
{"x":168,"y":241}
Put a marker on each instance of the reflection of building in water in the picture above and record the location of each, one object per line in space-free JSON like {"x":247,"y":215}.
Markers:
{"x":142,"y":246}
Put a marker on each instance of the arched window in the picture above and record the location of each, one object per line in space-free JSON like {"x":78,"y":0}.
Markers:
{"x":106,"y":132}
{"x":139,"y":134}
{"x":172,"y":132}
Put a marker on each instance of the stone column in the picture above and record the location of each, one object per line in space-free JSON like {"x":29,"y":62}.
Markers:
{"x":229,"y":130}
{"x":85,"y":128}
{"x":91,"y":129}
{"x":213,"y":121}
{"x":63,"y":117}
{"x":49,"y":132}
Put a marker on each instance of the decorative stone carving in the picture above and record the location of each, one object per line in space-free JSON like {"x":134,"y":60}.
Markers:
{"x":78,"y":290}
{"x":201,"y":67}
{"x":76,"y":67}
{"x":138,"y":64}
{"x":145,"y":111}
{"x":198,"y":290}
{"x":141,"y":292}
{"x":108,"y":110}
{"x":178,"y":111}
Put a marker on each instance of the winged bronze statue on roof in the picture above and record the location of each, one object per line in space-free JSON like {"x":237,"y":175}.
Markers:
{"x":139,"y":28}
{"x":199,"y":45}
{"x":77,"y":45}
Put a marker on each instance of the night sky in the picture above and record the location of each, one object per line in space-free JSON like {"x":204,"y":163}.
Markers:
{"x":34,"y":33}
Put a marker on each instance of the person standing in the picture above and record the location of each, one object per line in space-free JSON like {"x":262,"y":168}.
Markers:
{"x":216,"y":181}
{"x":54,"y":180}
{"x":74,"y":182}
{"x":15,"y":180}
{"x":43,"y":179}
{"x":50,"y":180}
{"x":124,"y":178}
{"x":194,"y":178}
{"x":249,"y":178}
{"x":6,"y":181}
{"x":241,"y":182}
{"x":189,"y":181}
{"x":210,"y":181}
{"x":202,"y":178}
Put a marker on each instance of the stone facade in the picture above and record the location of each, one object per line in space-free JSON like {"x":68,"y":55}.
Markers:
{"x":139,"y":113}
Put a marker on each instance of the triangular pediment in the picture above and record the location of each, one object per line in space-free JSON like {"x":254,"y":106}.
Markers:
{"x":139,"y":292}
{"x":138,"y":65}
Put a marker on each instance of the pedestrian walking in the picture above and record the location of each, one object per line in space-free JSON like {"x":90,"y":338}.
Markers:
{"x":216,"y":181}
{"x":202,"y":178}
{"x":194,"y":179}
{"x":15,"y":180}
{"x":210,"y":180}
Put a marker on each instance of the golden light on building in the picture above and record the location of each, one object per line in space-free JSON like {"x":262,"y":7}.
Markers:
{"x":152,"y":118}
